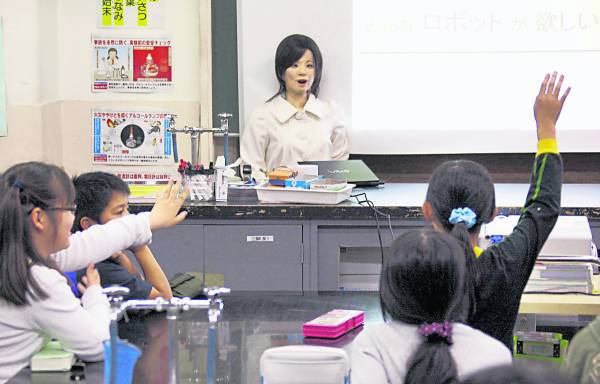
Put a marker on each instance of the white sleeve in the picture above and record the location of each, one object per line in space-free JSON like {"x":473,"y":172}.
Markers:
{"x":339,"y":136}
{"x":80,"y":330}
{"x":101,"y":241}
{"x":254,"y":143}
{"x":367,"y":367}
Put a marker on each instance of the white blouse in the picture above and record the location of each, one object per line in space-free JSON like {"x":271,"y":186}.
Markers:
{"x":278,"y":134}
{"x":380,"y":354}
{"x":80,"y":326}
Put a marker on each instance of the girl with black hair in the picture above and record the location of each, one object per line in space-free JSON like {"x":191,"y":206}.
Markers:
{"x":36,"y":302}
{"x":423,"y":298}
{"x":460,"y":198}
{"x":294,"y":125}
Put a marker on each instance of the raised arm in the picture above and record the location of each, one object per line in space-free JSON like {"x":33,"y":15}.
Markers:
{"x":99,"y":242}
{"x":548,"y":106}
{"x":516,"y":255}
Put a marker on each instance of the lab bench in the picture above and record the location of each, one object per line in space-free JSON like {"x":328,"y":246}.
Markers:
{"x":296,"y":248}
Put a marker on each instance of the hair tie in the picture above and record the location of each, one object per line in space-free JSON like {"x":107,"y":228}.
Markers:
{"x":463,"y":215}
{"x":435,"y":332}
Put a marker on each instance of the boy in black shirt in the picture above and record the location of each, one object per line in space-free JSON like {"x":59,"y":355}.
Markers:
{"x":102,"y":197}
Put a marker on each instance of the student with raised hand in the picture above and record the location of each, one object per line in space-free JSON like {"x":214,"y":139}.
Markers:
{"x":294,"y":125}
{"x":460,"y":198}
{"x":36,"y":302}
{"x":100,"y":198}
{"x":424,"y":300}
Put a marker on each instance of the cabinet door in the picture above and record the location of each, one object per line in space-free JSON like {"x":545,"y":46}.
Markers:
{"x":178,"y":249}
{"x":344,"y":250}
{"x":255,"y":257}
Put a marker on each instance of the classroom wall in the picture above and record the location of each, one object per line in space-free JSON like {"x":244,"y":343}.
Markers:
{"x":22,"y":82}
{"x":48,"y":69}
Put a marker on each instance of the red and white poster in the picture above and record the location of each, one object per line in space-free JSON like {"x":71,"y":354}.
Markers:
{"x":132,"y":64}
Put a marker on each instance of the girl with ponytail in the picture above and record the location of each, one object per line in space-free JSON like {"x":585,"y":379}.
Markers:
{"x":460,"y":198}
{"x":423,"y":296}
{"x":36,"y":246}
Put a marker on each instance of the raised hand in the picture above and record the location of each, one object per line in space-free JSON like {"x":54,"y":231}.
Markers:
{"x":548,"y":105}
{"x":165,"y":212}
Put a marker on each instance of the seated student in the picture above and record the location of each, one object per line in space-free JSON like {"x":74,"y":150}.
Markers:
{"x":36,"y":302}
{"x":424,"y":300}
{"x":583,"y":360}
{"x":460,"y":198}
{"x":101,"y":197}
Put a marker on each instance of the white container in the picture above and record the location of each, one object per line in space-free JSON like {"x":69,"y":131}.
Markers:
{"x":570,"y":238}
{"x":221,"y":184}
{"x":306,"y":196}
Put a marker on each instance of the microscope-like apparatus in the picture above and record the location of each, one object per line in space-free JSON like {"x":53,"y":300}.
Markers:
{"x":204,"y":183}
{"x":195,"y":132}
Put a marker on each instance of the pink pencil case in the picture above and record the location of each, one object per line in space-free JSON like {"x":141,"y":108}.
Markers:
{"x":333,"y":324}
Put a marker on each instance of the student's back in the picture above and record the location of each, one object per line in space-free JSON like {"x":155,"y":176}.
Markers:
{"x":460,"y":198}
{"x":424,"y":299}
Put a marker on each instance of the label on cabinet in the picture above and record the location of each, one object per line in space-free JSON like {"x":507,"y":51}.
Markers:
{"x":260,"y":238}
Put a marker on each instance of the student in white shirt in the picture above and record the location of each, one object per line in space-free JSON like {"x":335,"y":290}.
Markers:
{"x":36,"y":302}
{"x":424,"y":300}
{"x":294,"y":125}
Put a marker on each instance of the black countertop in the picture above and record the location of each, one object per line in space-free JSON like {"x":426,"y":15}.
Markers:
{"x":231,"y":352}
{"x":399,"y":201}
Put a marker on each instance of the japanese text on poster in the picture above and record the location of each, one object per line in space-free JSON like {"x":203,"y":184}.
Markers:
{"x":131,"y":14}
{"x":131,"y":137}
{"x":131,"y":65}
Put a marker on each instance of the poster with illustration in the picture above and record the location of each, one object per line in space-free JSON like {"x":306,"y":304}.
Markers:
{"x":131,"y":65}
{"x":131,"y":137}
{"x":152,"y":64}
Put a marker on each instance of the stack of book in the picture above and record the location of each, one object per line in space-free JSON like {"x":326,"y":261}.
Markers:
{"x":566,"y":262}
{"x":278,"y":176}
{"x":52,"y":358}
{"x":561,"y":277}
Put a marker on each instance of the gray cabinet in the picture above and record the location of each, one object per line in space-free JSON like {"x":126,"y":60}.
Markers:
{"x":179,"y":249}
{"x":279,"y":255}
{"x":349,"y":256}
{"x":256,"y":257}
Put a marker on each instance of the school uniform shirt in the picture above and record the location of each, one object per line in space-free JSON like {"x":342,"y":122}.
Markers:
{"x":583,"y":360}
{"x":381,"y":353}
{"x":80,"y":325}
{"x":505,"y":267}
{"x":278,"y":134}
{"x":113,"y":273}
